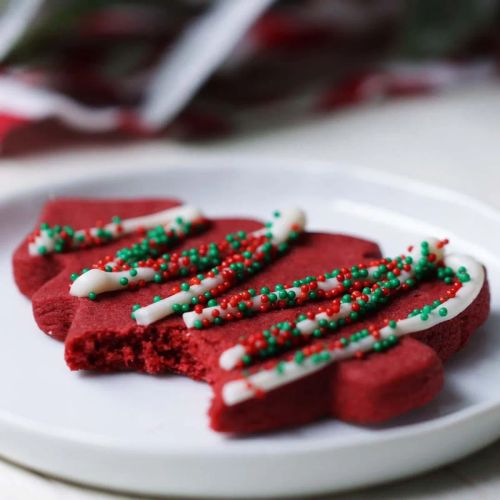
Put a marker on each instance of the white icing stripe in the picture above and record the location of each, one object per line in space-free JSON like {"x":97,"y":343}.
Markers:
{"x":187,"y":213}
{"x":287,"y":221}
{"x":126,"y":226}
{"x":282,"y":225}
{"x":190,"y":317}
{"x":158,"y":310}
{"x":99,"y":281}
{"x":237,"y":391}
{"x":231,"y":357}
{"x":43,"y":240}
{"x":326,"y":286}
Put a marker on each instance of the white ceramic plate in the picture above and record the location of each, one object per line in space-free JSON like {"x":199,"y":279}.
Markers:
{"x":150,"y":435}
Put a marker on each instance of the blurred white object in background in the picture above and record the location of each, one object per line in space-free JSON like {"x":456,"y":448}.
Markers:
{"x":202,"y":48}
{"x":15,"y":16}
{"x":36,"y":103}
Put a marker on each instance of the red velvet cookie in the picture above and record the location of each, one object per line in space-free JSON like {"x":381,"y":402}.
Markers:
{"x":366,"y":387}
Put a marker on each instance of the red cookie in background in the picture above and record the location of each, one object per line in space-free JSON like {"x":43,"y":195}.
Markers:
{"x":101,"y":335}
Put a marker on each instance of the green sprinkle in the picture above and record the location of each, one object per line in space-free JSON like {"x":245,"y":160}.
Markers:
{"x":316,"y":358}
{"x":299,"y":357}
{"x":280,"y":367}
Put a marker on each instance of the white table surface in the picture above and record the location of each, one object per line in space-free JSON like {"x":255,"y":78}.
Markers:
{"x":451,"y":139}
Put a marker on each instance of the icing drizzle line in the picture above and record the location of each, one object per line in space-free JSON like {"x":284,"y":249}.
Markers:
{"x":285,"y":335}
{"x":261,"y":247}
{"x":58,"y":239}
{"x":469,"y":282}
{"x":138,"y":264}
{"x":325,"y":286}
